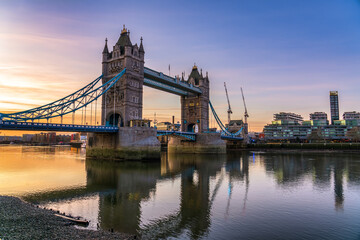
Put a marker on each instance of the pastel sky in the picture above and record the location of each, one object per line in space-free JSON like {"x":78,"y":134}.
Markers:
{"x":286,"y":54}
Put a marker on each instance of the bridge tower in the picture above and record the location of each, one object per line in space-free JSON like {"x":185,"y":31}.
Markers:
{"x":194,"y":107}
{"x":124,"y":101}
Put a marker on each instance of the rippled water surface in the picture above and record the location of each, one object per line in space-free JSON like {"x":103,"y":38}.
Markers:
{"x":247,"y":195}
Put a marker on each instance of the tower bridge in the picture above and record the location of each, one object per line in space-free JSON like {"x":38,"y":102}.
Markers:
{"x":121,"y":94}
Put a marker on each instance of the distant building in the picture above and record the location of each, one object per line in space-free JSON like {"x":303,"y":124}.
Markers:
{"x":351,"y":115}
{"x":352,"y":118}
{"x":287,"y":118}
{"x":334,"y":106}
{"x":317,"y":119}
{"x":10,"y":138}
{"x":168,"y":126}
{"x":318,"y":116}
{"x":45,"y":138}
{"x":27,"y":137}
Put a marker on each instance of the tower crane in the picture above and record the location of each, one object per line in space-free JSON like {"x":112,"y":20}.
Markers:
{"x":246,"y":115}
{"x":229,"y":111}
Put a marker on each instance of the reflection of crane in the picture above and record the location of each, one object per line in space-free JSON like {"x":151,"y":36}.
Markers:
{"x":229,"y":110}
{"x":246,"y":115}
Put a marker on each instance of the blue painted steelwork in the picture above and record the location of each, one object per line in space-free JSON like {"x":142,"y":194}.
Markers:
{"x":225,"y":133}
{"x":189,"y":135}
{"x":66,"y":105}
{"x":30,"y":126}
{"x":170,"y":82}
{"x":164,"y":87}
{"x":225,"y":137}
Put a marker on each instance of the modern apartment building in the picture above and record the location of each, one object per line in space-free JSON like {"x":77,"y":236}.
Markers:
{"x":287,"y":118}
{"x":334,"y":106}
{"x":318,"y":116}
{"x":351,"y":115}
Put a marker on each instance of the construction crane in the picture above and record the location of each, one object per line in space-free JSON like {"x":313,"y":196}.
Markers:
{"x":246,"y":115}
{"x":229,"y":109}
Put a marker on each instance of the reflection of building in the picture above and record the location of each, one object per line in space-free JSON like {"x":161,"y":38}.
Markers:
{"x":334,"y":106}
{"x":289,"y":168}
{"x":129,"y":184}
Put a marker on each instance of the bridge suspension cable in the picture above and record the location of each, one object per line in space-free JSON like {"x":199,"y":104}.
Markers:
{"x":221,"y":125}
{"x":66,"y":105}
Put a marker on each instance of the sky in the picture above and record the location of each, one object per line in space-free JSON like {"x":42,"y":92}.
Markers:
{"x":285,"y":54}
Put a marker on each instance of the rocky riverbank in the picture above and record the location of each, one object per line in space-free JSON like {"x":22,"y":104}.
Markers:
{"x":21,"y":220}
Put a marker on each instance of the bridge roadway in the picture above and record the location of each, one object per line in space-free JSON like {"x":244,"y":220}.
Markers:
{"x":162,"y":82}
{"x":31,"y":126}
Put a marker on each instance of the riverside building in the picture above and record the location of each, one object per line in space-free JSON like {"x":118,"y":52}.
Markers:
{"x":308,"y":130}
{"x":334,"y":106}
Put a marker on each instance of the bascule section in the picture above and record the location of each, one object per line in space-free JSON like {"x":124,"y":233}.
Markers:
{"x":122,"y":104}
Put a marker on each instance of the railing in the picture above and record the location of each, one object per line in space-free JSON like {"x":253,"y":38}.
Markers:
{"x":69,"y":104}
{"x":170,"y":80}
{"x":29,"y":126}
{"x":189,"y":135}
{"x":164,"y":87}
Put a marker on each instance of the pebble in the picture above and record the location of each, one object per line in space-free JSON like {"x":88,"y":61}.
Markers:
{"x":20,"y":220}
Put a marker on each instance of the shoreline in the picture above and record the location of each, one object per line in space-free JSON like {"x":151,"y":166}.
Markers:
{"x":22,"y":220}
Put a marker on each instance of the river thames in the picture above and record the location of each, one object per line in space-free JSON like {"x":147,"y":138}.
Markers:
{"x":244,"y":195}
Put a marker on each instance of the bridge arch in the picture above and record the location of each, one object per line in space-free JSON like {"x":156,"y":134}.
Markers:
{"x":191,"y":127}
{"x":115,"y":119}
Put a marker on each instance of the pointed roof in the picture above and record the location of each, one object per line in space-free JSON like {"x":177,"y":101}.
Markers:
{"x":195,"y":74}
{"x":124,"y":39}
{"x":106,"y":50}
{"x":141,"y":49}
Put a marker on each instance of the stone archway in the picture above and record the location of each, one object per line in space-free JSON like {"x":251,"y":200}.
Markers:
{"x":115,"y":120}
{"x":191,"y":127}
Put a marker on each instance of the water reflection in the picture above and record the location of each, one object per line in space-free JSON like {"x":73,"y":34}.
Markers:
{"x":207,"y":196}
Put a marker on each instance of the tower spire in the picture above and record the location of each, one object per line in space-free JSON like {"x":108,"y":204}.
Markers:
{"x":141,"y":49}
{"x":106,"y":50}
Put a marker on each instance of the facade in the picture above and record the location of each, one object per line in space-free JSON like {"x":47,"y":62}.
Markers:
{"x":306,"y":132}
{"x":311,"y":130}
{"x":334,"y":106}
{"x":288,"y":118}
{"x":351,"y":115}
{"x":124,"y":101}
{"x":194,"y":107}
{"x":318,"y":116}
{"x":285,"y":128}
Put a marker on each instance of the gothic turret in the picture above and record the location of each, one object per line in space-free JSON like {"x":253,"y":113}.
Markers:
{"x":105,"y":51}
{"x":194,"y":76}
{"x":123,"y":102}
{"x":141,"y":49}
{"x":124,"y":39}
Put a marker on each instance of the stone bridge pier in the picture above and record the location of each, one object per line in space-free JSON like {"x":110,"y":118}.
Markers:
{"x":130,"y":143}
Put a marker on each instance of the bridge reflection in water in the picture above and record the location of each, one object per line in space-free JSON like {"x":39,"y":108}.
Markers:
{"x":194,"y":196}
{"x":135,"y":182}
